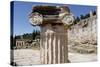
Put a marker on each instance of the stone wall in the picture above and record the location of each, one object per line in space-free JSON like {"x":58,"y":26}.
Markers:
{"x":85,"y":31}
{"x":83,"y":35}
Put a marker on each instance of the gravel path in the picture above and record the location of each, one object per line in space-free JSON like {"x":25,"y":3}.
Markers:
{"x":76,"y":57}
{"x":26,"y":56}
{"x":31,"y":57}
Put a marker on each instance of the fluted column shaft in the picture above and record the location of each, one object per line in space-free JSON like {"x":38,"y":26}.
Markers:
{"x":53,"y":45}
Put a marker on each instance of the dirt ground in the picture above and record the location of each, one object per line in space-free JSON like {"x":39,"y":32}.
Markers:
{"x":31,"y":57}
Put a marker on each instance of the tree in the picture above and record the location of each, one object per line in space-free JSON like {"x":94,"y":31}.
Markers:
{"x":33,"y":34}
{"x":77,"y":19}
{"x":82,"y":17}
{"x":94,"y":12}
{"x":87,"y":15}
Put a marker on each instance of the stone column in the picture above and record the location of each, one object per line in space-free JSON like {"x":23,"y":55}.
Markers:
{"x":53,"y":21}
{"x":53,"y":46}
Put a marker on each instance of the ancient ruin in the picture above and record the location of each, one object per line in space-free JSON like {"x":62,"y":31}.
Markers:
{"x":53,"y":21}
{"x":82,"y":36}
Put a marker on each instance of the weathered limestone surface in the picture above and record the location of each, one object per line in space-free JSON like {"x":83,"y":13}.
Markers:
{"x":83,"y":35}
{"x":52,"y":20}
{"x":53,"y":44}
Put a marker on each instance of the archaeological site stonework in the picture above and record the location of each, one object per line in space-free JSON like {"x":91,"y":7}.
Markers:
{"x":54,"y":42}
{"x":82,"y":37}
{"x":85,"y":31}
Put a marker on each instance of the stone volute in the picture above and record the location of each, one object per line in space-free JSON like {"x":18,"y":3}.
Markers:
{"x":53,"y":36}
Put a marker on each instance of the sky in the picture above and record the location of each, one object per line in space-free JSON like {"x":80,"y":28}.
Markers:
{"x":22,"y":9}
